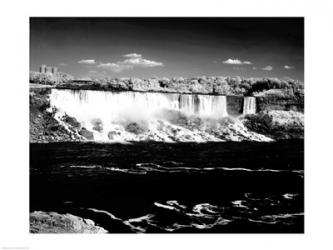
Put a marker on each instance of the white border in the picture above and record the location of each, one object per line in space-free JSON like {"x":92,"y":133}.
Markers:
{"x":15,"y":126}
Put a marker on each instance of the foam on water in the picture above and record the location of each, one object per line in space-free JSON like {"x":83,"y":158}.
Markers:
{"x":206,"y":216}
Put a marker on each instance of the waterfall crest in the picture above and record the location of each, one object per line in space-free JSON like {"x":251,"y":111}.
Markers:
{"x":113,"y":106}
{"x":249,"y":105}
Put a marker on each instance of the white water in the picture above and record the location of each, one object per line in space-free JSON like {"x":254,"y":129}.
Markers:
{"x":249,"y":106}
{"x":111,"y":106}
{"x":108,"y":111}
{"x":160,"y":116}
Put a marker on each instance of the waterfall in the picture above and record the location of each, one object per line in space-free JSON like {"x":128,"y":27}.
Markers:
{"x":88,"y":104}
{"x":249,"y":106}
{"x":102,"y":112}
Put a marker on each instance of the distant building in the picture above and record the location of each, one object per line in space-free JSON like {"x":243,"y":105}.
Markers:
{"x":48,"y":69}
{"x":54,"y":70}
{"x":42,"y":68}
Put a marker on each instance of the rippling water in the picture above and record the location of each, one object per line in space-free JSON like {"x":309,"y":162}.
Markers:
{"x":184,"y":187}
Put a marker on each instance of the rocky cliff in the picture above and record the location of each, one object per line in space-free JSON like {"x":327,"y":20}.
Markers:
{"x":276,"y":124}
{"x":275,"y":99}
{"x":44,"y":127}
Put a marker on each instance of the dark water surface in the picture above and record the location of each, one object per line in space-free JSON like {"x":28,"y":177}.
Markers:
{"x":226,"y":187}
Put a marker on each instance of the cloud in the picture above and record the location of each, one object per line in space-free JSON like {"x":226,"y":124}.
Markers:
{"x":254,"y":68}
{"x":134,"y":61}
{"x":115,"y":67}
{"x":62,"y":64}
{"x":133,"y":55}
{"x":247,"y":62}
{"x":268,"y":68}
{"x":141,"y":62}
{"x":236,"y":61}
{"x":87,"y":61}
{"x":288,"y":67}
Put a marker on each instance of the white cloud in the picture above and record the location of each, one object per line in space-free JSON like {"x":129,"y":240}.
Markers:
{"x":288,"y":67}
{"x":236,"y":61}
{"x":133,"y":55}
{"x":232,"y":61}
{"x":141,"y":62}
{"x":62,"y":64}
{"x":115,"y":67}
{"x":268,"y":68}
{"x":254,"y":68}
{"x":87,"y":61}
{"x":247,"y":62}
{"x":134,"y":61}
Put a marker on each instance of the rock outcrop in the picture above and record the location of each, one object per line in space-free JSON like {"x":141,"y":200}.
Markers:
{"x":277,"y":124}
{"x":86,"y":134}
{"x":44,"y":127}
{"x":52,"y":222}
{"x":275,"y":99}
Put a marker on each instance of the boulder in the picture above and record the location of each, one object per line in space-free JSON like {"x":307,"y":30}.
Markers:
{"x":71,"y":121}
{"x":86,"y":134}
{"x":136,"y":128}
{"x":52,"y":222}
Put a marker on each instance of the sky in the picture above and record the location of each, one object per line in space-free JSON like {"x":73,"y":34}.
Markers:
{"x":169,"y":47}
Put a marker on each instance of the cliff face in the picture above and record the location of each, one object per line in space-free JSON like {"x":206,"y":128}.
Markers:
{"x":235,"y":105}
{"x":271,"y":102}
{"x":266,"y":103}
{"x":276,"y":124}
{"x":43,"y":125}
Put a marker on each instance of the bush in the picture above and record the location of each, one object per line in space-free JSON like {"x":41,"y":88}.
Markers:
{"x":49,"y":79}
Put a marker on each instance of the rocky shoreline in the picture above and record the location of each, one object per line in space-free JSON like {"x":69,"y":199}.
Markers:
{"x":52,"y":222}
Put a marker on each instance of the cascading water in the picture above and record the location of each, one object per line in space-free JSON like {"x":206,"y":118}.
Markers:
{"x":107,"y":114}
{"x":249,"y":106}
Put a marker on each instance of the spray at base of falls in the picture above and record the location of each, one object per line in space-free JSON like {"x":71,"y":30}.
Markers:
{"x":136,"y":116}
